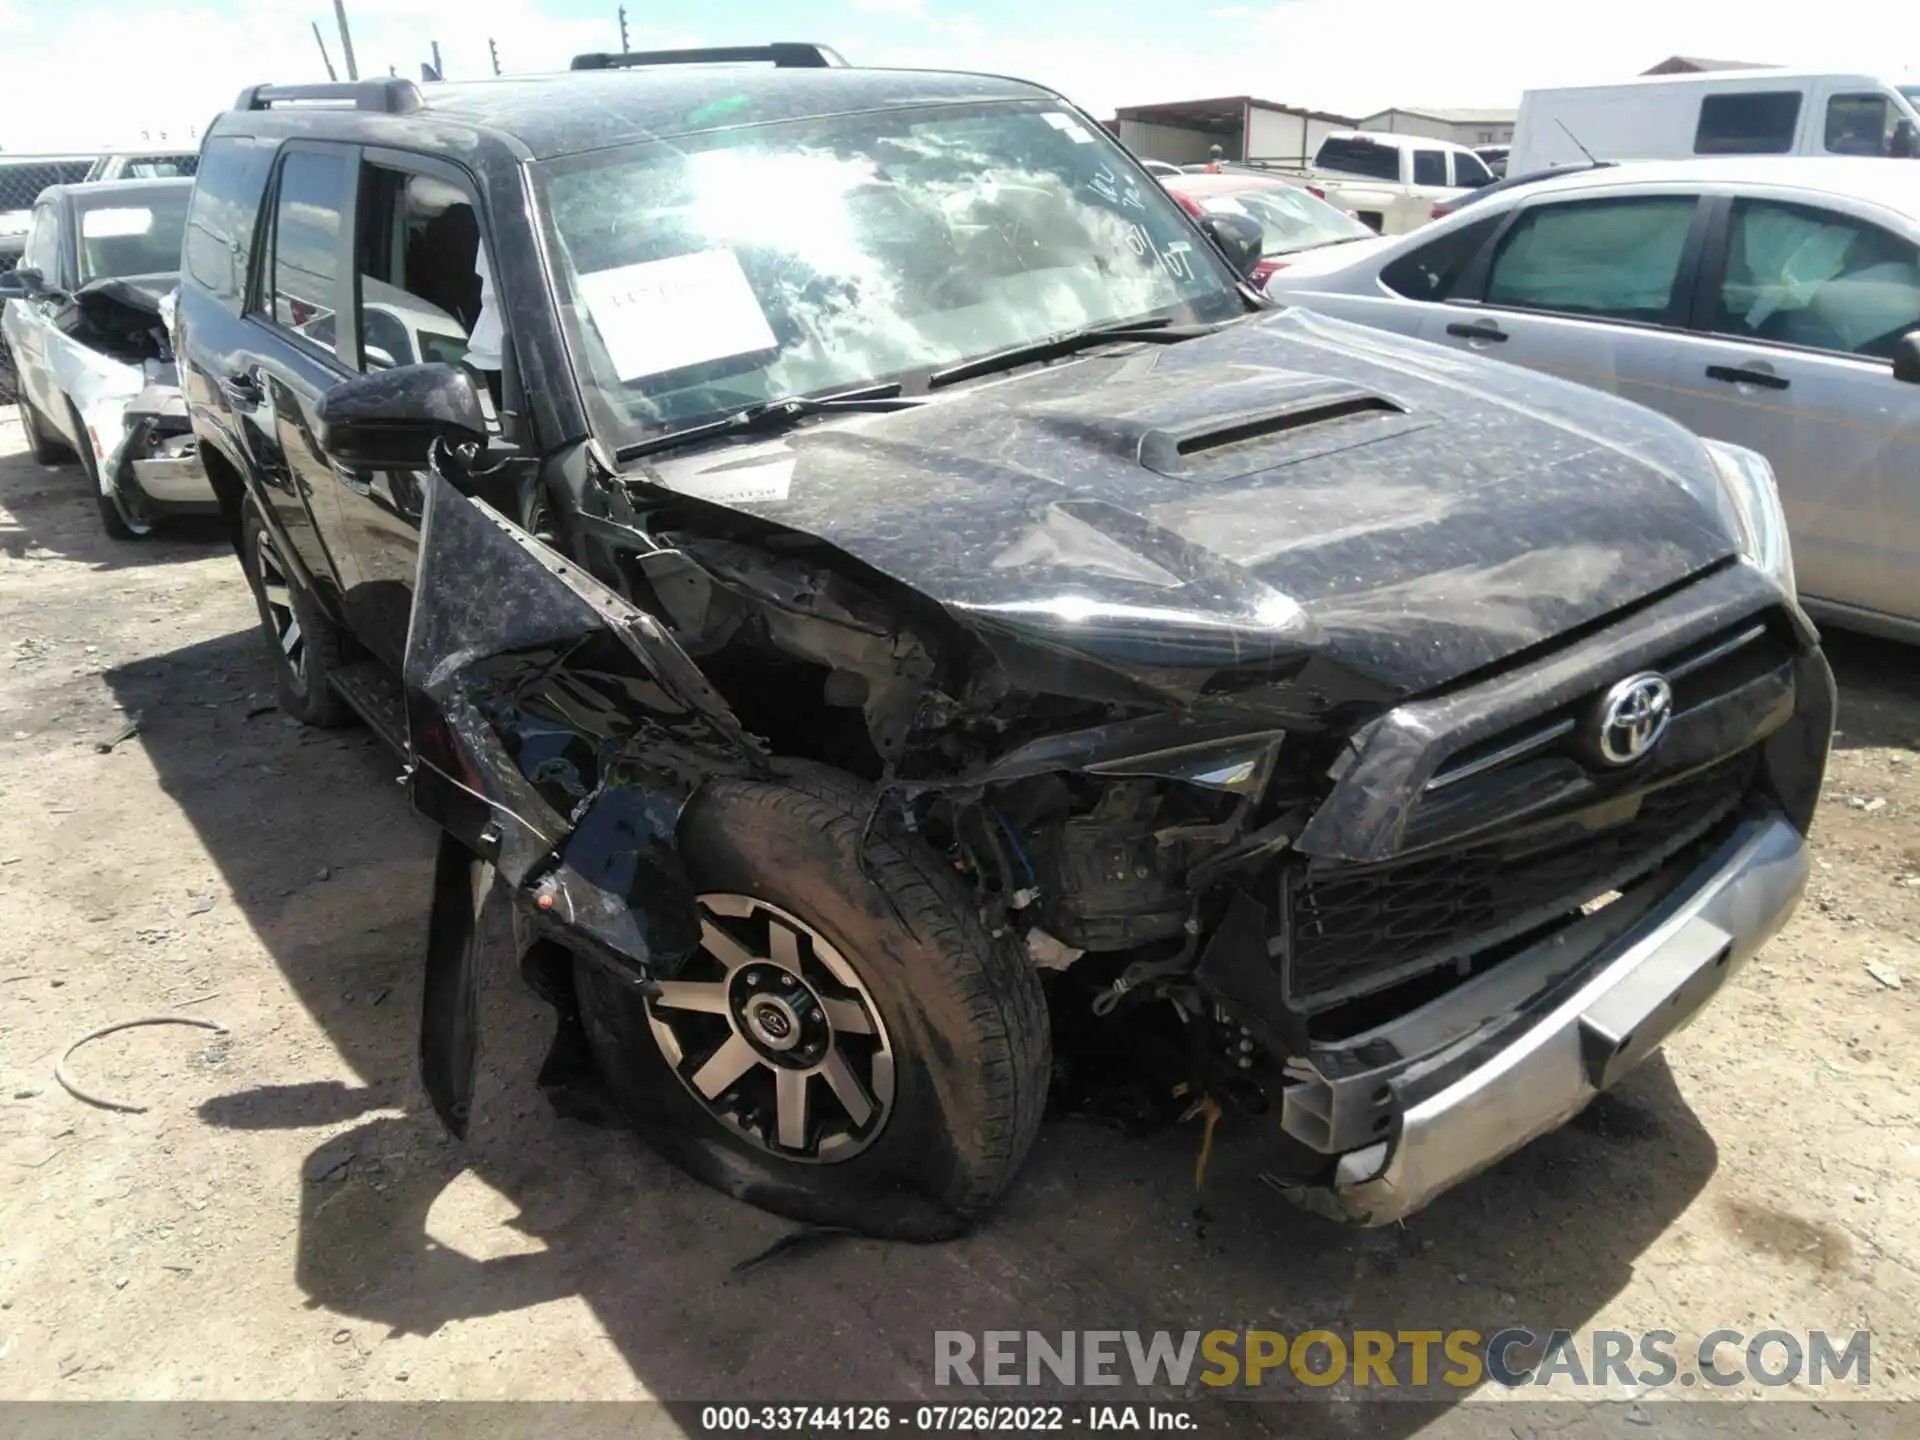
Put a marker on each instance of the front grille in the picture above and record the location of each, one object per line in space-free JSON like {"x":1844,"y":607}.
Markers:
{"x":1354,"y":929}
{"x":1702,"y":672}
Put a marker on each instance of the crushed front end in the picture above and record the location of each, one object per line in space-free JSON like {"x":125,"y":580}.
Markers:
{"x":112,"y":355}
{"x":1488,"y":919}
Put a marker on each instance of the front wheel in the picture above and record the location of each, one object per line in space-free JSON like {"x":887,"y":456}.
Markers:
{"x":848,"y":1046}
{"x":45,"y":447}
{"x":111,"y":520}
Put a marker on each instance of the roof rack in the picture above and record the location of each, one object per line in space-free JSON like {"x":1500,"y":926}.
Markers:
{"x":782,"y":55}
{"x":386,"y":95}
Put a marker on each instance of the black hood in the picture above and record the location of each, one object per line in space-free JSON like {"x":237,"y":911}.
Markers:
{"x":1195,"y":515}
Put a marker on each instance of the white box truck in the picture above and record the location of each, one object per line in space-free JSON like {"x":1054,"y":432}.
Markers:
{"x":1723,"y":112}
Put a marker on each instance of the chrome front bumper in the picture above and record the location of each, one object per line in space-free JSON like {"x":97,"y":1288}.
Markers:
{"x":1648,"y":984}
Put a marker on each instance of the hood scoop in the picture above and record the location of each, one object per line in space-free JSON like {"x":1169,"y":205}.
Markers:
{"x":1219,"y":422}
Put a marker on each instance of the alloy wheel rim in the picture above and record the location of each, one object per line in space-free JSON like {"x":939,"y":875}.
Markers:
{"x":276,"y":596}
{"x":775,"y":1035}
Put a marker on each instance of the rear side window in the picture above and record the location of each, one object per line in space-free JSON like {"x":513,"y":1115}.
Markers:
{"x":303,"y":287}
{"x":1469,"y":172}
{"x":1612,"y":259}
{"x":1430,"y":167}
{"x":160,"y":167}
{"x":224,"y":215}
{"x":1432,"y":271}
{"x":1750,"y":123}
{"x":1351,"y":155}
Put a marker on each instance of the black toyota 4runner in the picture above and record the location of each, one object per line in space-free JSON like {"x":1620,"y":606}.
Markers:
{"x":839,"y":547}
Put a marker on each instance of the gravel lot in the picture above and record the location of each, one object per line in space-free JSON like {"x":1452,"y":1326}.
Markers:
{"x":285,"y":1219}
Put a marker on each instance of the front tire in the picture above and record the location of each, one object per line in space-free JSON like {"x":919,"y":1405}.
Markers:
{"x":111,"y":520}
{"x":306,"y":646}
{"x":818,"y":1057}
{"x":45,"y":447}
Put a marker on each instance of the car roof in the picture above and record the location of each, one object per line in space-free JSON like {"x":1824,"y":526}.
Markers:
{"x":93,"y":192}
{"x":1395,"y":139}
{"x":574,"y":111}
{"x":1895,"y":183}
{"x":1754,"y":77}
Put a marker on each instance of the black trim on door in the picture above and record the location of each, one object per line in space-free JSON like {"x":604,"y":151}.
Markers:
{"x":1713,"y":263}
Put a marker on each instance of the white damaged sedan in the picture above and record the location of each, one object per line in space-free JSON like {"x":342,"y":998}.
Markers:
{"x":86,"y":323}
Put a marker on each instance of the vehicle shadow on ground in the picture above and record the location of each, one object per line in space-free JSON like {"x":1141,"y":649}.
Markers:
{"x":1879,"y":690}
{"x":332,"y":871}
{"x":49,"y":510}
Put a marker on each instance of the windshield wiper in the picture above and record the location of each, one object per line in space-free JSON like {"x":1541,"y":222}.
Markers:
{"x":1160,"y":331}
{"x":768,"y":416}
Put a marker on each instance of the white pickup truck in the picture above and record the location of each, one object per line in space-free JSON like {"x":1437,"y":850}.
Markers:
{"x":1392,"y":181}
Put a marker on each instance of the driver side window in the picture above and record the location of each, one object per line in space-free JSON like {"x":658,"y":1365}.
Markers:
{"x":1796,"y":275}
{"x":419,"y":259}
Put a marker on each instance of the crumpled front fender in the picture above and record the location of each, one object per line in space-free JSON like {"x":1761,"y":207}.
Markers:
{"x":556,"y":732}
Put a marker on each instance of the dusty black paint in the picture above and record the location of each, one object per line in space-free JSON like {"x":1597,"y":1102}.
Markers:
{"x":1485,"y":512}
{"x":1132,"y":641}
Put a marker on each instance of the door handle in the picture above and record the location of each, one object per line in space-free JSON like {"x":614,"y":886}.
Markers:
{"x":242,"y":388}
{"x":1477,"y":330}
{"x":1739,"y":375}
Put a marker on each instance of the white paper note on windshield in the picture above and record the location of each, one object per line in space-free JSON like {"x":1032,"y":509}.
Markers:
{"x":667,"y":314}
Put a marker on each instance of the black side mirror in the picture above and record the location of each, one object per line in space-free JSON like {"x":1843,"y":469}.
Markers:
{"x":1904,"y":143}
{"x":389,"y":420}
{"x":1906,"y":358}
{"x":1237,"y":237}
{"x":22,"y":280}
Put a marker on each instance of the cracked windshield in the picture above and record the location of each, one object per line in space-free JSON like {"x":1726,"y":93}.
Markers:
{"x":808,"y":257}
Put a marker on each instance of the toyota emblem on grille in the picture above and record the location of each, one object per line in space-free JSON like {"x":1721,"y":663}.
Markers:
{"x":1633,"y":716}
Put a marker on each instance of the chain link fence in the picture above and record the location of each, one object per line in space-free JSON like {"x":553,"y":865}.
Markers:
{"x":21,"y":182}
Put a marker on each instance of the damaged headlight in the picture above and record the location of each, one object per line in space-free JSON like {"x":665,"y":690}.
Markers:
{"x":1747,"y":481}
{"x":1240,"y":765}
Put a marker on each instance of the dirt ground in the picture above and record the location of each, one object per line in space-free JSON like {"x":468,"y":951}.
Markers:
{"x":285,"y":1218}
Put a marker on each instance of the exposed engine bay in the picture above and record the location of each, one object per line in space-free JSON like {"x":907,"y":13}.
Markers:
{"x":110,"y":351}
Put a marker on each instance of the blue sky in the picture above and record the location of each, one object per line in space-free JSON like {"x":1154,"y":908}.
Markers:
{"x":168,"y":64}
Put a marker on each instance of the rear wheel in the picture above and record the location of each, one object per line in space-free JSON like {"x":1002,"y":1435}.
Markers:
{"x":306,"y":646}
{"x":45,"y":447}
{"x":842,"y":1049}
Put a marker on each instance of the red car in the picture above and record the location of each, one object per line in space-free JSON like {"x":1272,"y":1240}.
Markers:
{"x":1293,"y":218}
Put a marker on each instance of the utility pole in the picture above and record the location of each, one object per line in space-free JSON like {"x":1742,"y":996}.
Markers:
{"x":623,"y":29}
{"x":325,"y":59}
{"x":439,"y":70}
{"x":346,"y":39}
{"x":494,"y":51}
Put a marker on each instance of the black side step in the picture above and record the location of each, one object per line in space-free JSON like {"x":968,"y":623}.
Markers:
{"x":376,"y":696}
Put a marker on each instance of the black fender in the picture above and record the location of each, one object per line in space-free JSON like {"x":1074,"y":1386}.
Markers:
{"x":555,"y":734}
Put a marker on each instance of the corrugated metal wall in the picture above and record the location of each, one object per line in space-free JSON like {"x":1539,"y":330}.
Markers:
{"x":1176,"y":144}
